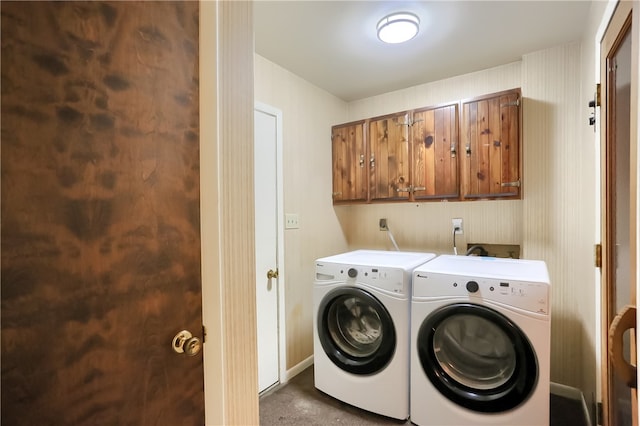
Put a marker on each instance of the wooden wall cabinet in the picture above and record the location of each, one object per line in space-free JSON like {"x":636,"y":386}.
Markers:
{"x":350,"y":163}
{"x":432,"y":154}
{"x":434,"y":141}
{"x":389,"y":157}
{"x":490,"y":163}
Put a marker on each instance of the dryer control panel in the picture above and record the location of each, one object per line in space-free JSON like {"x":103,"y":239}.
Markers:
{"x":528,"y":296}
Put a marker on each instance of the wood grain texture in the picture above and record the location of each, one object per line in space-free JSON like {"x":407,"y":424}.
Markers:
{"x":389,"y":146}
{"x":350,"y":162}
{"x":100,"y":211}
{"x":491,"y":140}
{"x":433,"y":134}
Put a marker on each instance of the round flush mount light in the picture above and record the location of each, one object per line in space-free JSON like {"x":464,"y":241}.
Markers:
{"x":398,"y":27}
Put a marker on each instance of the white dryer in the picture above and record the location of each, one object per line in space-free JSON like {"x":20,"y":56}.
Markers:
{"x":480,"y":342}
{"x":361,"y":317}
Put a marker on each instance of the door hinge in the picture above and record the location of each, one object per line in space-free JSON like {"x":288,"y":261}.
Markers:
{"x":597,"y":255}
{"x":515,"y":183}
{"x":598,"y":413}
{"x":204,"y":333}
{"x":597,"y":94}
{"x":514,"y":103}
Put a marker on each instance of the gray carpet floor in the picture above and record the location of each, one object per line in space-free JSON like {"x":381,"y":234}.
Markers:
{"x":298,"y":402}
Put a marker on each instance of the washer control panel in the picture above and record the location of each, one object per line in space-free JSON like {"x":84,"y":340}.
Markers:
{"x":392,"y":280}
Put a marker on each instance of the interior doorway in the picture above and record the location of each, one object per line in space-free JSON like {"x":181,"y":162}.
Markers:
{"x":269,"y":244}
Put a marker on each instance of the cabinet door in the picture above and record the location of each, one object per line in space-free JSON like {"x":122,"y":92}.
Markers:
{"x":491,"y":141}
{"x":349,"y":162}
{"x":434,"y":141}
{"x":389,"y":157}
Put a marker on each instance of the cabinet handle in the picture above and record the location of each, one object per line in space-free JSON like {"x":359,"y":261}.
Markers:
{"x":511,"y":184}
{"x":453,"y":150}
{"x":418,"y":188}
{"x":361,"y":160}
{"x":468,"y":150}
{"x":372,"y":162}
{"x":404,"y":189}
{"x":335,"y":194}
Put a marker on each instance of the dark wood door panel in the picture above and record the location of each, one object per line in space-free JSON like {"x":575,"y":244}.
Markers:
{"x":100,"y":213}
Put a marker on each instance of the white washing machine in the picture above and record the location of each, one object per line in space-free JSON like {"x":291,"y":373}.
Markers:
{"x":361,"y":318}
{"x":480,"y":342}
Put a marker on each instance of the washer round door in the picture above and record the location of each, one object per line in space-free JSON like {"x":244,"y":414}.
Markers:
{"x":477,"y":357}
{"x":356,"y":330}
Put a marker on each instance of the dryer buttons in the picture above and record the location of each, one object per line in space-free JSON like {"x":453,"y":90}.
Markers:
{"x":352,"y":272}
{"x":472,"y":286}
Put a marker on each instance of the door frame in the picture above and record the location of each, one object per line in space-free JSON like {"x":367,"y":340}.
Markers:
{"x":280,"y":259}
{"x":618,"y":22}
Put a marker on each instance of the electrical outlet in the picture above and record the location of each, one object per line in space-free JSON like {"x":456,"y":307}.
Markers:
{"x":383,"y":225}
{"x":291,"y":221}
{"x":456,"y":225}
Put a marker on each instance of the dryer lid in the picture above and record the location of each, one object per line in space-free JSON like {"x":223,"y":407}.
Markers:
{"x":488,"y":267}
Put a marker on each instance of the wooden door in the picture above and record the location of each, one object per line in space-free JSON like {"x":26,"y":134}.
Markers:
{"x":350,"y":162}
{"x":618,"y":117}
{"x":434,"y":144}
{"x":389,"y":157}
{"x":100,"y":213}
{"x":491,"y":142}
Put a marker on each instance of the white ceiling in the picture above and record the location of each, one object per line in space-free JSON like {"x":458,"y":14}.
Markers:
{"x":333,"y":44}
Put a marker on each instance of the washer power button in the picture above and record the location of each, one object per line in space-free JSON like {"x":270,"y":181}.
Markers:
{"x":472,"y":286}
{"x":352,"y":272}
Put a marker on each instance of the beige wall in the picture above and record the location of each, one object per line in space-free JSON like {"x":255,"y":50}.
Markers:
{"x":555,"y":221}
{"x":307,"y":115}
{"x":559,"y":210}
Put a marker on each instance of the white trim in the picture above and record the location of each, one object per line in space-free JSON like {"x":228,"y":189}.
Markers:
{"x":297,"y":369}
{"x":282,"y":340}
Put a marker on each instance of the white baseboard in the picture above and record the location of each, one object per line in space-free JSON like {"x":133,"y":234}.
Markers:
{"x":296,"y":369}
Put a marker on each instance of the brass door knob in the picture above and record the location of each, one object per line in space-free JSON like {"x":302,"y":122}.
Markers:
{"x":272,"y":274}
{"x":185,"y":342}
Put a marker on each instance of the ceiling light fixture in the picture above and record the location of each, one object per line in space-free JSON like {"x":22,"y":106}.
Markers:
{"x":398,"y":27}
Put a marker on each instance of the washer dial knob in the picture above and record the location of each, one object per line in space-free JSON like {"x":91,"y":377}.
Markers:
{"x":472,"y":286}
{"x":352,"y":272}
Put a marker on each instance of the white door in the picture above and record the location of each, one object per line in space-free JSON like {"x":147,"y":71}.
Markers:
{"x":266,"y":223}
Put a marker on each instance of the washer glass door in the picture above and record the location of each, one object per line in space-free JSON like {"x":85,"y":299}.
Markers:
{"x":477,"y":357}
{"x":356,"y":330}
